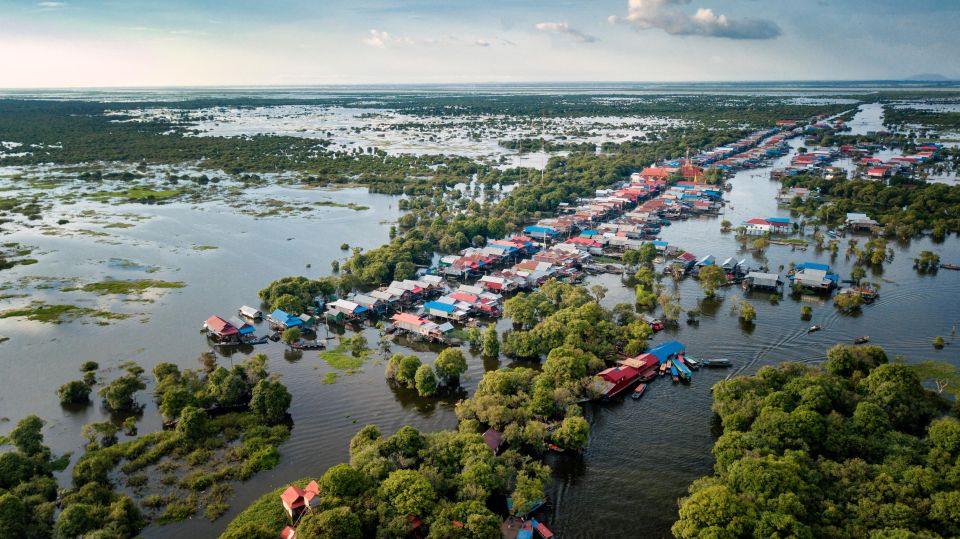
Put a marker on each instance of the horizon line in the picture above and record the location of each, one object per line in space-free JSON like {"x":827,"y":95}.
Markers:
{"x":946,"y":81}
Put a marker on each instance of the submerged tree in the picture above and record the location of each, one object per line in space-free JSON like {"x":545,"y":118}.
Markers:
{"x":711,"y":278}
{"x":450,"y":364}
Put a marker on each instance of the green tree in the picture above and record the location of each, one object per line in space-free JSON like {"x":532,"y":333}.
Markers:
{"x":175,"y":400}
{"x":711,"y":278}
{"x":407,"y":371}
{"x":292,"y":336}
{"x":848,"y":302}
{"x":425,"y":381}
{"x":228,"y":388}
{"x":527,"y":492}
{"x":14,"y":468}
{"x":491,"y":342}
{"x":573,"y":434}
{"x":343,"y":481}
{"x":192,"y":425}
{"x":74,"y":392}
{"x":408,"y":492}
{"x":76,"y":520}
{"x":13,"y":516}
{"x":270,"y":400}
{"x":339,"y":522}
{"x":760,"y":244}
{"x":450,"y":364}
{"x":119,"y":394}
{"x":747,"y":312}
{"x":27,"y":436}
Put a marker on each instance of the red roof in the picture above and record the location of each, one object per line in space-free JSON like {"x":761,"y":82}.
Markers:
{"x":288,"y":533}
{"x":543,"y":531}
{"x":758,"y":221}
{"x":292,"y":497}
{"x":463,"y":296}
{"x":220,"y":326}
{"x":582,"y":241}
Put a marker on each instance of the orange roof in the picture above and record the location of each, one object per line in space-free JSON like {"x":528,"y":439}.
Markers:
{"x":655,"y":172}
{"x":408,"y":318}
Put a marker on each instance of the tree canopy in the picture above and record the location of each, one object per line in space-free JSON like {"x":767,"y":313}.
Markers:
{"x":853,"y":449}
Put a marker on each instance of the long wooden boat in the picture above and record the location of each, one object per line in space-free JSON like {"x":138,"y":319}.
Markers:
{"x":950,"y":266}
{"x":717,"y":362}
{"x":862,"y":339}
{"x":638,"y":392}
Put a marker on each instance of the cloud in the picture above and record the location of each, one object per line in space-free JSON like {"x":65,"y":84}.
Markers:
{"x":565,"y":29}
{"x":482,"y":43}
{"x":382,"y":40}
{"x":669,"y":16}
{"x":50,"y":6}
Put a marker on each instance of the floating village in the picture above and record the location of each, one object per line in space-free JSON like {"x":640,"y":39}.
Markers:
{"x":589,"y":237}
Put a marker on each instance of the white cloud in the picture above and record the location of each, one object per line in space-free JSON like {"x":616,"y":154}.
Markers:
{"x":50,"y":6}
{"x":669,"y":16}
{"x":482,"y":43}
{"x":565,"y":29}
{"x":382,"y":40}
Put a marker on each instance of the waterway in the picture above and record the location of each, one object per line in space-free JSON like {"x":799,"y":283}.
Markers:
{"x":642,"y":454}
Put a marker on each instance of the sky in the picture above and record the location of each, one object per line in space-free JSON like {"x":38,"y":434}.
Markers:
{"x":89,"y":43}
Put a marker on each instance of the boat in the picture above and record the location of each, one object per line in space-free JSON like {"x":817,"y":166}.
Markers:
{"x":861,"y":339}
{"x":868,"y":294}
{"x":664,"y":367}
{"x":950,"y":266}
{"x":638,"y":392}
{"x":683,"y":371}
{"x":692,"y":362}
{"x":552,"y":447}
{"x":675,"y":374}
{"x":541,"y":529}
{"x":315,"y":345}
{"x":814,"y":328}
{"x":717,"y":362}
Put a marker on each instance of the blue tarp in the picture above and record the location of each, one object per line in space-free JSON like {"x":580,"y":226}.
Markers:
{"x":667,"y":349}
{"x":540,"y":230}
{"x":659,"y":243}
{"x":589,"y":233}
{"x":779,"y":220}
{"x":813,"y":266}
{"x":437,"y":306}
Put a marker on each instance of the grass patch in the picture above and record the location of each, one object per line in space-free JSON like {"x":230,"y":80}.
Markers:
{"x":790,"y":241}
{"x":136,"y":193}
{"x":330,"y":378}
{"x":39,"y":311}
{"x":120,"y":225}
{"x":205,"y":247}
{"x":4,"y":339}
{"x":136,"y":286}
{"x":344,"y":359}
{"x":331,"y":204}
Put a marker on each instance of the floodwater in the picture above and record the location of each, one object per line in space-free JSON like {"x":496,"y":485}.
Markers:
{"x":642,"y":454}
